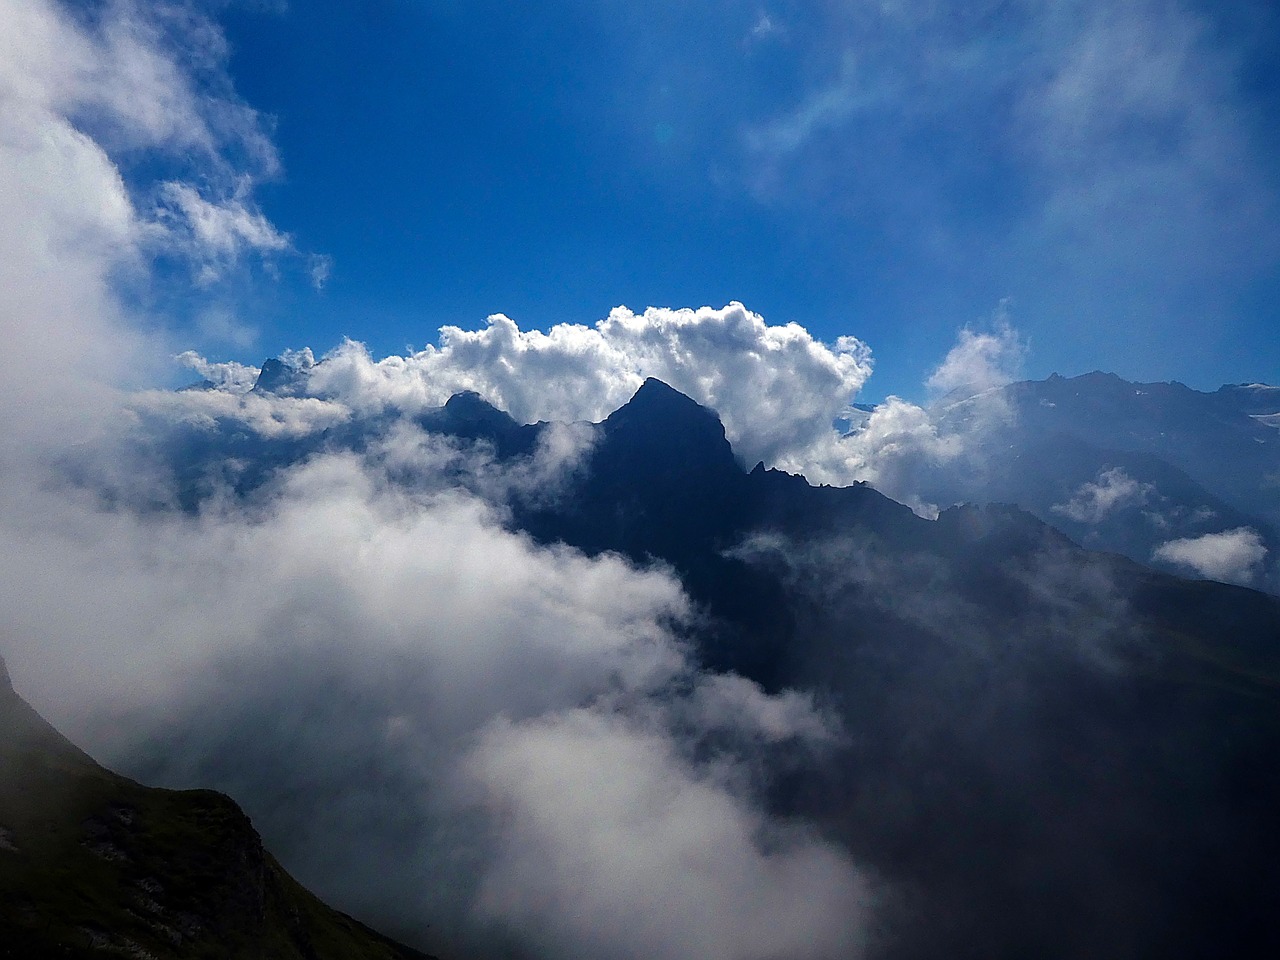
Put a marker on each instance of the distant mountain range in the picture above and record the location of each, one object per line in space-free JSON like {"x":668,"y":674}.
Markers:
{"x":1185,"y":481}
{"x":1129,"y":467}
{"x":93,"y":864}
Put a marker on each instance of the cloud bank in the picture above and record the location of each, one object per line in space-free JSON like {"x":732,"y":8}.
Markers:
{"x":774,"y":386}
{"x":370,"y":672}
{"x":361,"y":668}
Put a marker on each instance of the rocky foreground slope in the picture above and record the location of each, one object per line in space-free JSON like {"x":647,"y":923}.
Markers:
{"x":95,"y":865}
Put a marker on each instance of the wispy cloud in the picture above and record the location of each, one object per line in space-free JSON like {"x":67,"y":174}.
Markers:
{"x":1106,"y":142}
{"x":1112,"y":489}
{"x":215,"y":233}
{"x":765,"y":26}
{"x":822,"y":109}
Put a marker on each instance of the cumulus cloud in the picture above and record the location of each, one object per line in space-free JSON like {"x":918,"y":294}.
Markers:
{"x":1112,"y":490}
{"x":1233,"y":555}
{"x":778,"y":391}
{"x":775,"y":386}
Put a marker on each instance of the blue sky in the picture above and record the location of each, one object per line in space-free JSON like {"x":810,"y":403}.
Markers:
{"x":892,"y":171}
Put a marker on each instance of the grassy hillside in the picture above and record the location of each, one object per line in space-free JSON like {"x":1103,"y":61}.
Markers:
{"x":94,"y":865}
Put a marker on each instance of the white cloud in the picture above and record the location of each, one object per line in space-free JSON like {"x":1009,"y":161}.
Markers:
{"x":890,"y":450}
{"x":765,"y":26}
{"x":980,"y":360}
{"x":900,"y":446}
{"x":1233,"y":556}
{"x":81,"y":99}
{"x":733,"y":703}
{"x":216,"y":232}
{"x":232,"y":377}
{"x":433,"y":462}
{"x":320,"y":266}
{"x":616,"y":844}
{"x":1112,"y":489}
{"x":268,"y":416}
{"x":776,"y":387}
{"x":69,"y":224}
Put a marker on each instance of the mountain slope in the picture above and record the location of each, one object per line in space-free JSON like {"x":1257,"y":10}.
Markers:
{"x":1048,"y":751}
{"x":1123,"y":466}
{"x":1052,"y":752}
{"x":93,"y":864}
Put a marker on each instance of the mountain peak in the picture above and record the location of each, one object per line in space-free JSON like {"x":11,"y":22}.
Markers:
{"x":660,"y":430}
{"x":664,"y":409}
{"x":654,"y":390}
{"x":468,"y":406}
{"x":283,"y":376}
{"x":272,"y":375}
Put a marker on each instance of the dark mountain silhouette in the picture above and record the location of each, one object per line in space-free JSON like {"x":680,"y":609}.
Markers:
{"x":279,"y":377}
{"x":1049,"y":751}
{"x":93,"y":865}
{"x":1053,"y":752}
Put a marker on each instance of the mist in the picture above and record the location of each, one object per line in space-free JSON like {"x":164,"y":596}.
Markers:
{"x":287,"y":584}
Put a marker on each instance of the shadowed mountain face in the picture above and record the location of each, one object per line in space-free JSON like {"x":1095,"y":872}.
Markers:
{"x":94,"y":865}
{"x":1051,"y":753}
{"x":1216,"y":439}
{"x":1127,"y":467}
{"x":1047,"y":752}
